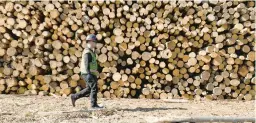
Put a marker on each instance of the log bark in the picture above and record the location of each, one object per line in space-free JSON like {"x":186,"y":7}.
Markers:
{"x":153,"y":49}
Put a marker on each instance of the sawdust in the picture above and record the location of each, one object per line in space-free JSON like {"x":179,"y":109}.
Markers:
{"x":48,"y":109}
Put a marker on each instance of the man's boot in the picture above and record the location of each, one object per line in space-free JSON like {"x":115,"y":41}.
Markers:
{"x":80,"y":94}
{"x":73,"y":99}
{"x":96,"y":106}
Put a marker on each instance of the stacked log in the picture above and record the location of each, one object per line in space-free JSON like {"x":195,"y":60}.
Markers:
{"x":146,"y":49}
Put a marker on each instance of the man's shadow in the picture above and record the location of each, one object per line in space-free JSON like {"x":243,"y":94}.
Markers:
{"x":152,"y":109}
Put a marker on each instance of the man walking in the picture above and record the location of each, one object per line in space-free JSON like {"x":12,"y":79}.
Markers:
{"x":89,"y":72}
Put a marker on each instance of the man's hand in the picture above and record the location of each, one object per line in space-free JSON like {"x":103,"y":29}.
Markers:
{"x":97,"y":74}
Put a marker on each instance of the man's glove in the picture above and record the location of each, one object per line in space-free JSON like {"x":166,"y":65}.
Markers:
{"x":97,"y":74}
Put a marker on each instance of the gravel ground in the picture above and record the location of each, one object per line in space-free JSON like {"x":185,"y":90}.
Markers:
{"x":49,"y":109}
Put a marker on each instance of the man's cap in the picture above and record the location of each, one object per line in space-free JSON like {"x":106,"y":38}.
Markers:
{"x":91,"y":37}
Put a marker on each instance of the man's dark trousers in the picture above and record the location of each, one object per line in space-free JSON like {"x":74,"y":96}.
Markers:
{"x":91,"y":87}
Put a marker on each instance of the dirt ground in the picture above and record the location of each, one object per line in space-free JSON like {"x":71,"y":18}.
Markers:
{"x":49,"y":109}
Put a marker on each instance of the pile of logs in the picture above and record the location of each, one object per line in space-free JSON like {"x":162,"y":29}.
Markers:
{"x":146,"y":49}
